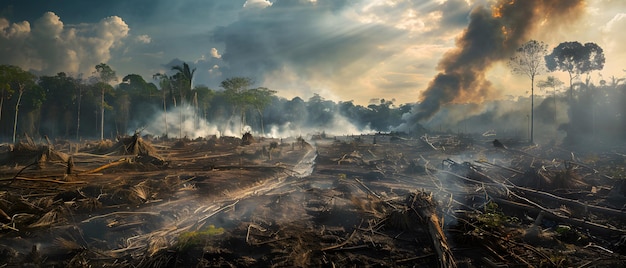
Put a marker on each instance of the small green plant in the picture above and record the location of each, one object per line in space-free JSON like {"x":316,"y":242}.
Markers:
{"x":494,"y":217}
{"x":342,"y":176}
{"x":189,"y":240}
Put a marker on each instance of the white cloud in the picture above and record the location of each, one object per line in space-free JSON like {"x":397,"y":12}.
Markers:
{"x":50,"y":46}
{"x":257,"y":4}
{"x":14,"y":30}
{"x":144,"y":38}
{"x":215,"y":53}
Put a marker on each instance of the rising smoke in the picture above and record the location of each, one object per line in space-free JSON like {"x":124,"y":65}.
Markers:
{"x":491,"y":36}
{"x":184,"y":121}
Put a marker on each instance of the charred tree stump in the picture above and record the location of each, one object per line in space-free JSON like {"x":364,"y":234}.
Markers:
{"x":70,"y":166}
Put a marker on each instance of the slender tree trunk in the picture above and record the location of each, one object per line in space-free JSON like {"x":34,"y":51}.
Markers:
{"x":17,"y":108}
{"x":196,"y":120}
{"x":593,"y":116}
{"x":180,"y":124}
{"x":80,"y":94}
{"x":102,"y":115}
{"x":243,"y":120}
{"x":1,"y":103}
{"x":571,"y":88}
{"x":262,"y":127}
{"x":165,"y":112}
{"x":532,"y":108}
{"x":180,"y":112}
{"x":555,"y":110}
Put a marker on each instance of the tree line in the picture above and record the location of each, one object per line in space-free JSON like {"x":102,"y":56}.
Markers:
{"x":99,"y":106}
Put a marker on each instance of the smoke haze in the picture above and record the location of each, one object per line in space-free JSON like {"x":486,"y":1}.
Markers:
{"x":183,"y":121}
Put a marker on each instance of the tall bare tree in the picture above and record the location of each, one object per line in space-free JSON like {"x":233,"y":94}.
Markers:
{"x":105,"y":76}
{"x":529,"y":60}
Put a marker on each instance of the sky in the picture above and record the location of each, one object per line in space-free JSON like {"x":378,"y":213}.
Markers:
{"x":343,"y":50}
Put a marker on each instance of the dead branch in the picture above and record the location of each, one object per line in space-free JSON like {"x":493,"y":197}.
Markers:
{"x":586,"y":207}
{"x":45,"y":180}
{"x":121,"y":213}
{"x":342,"y":159}
{"x":425,"y":141}
{"x":368,"y":189}
{"x":574,"y":221}
{"x":345,"y":242}
{"x":218,"y":211}
{"x":103,"y":167}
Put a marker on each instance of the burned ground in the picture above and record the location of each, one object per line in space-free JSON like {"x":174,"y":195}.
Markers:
{"x":377,"y":200}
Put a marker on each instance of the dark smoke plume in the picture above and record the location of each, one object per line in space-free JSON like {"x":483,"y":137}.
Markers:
{"x":491,"y":36}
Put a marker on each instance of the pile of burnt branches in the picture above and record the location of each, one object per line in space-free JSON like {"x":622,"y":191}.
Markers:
{"x":536,"y":211}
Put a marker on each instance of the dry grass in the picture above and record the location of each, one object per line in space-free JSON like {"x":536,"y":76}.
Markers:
{"x":141,"y":191}
{"x":51,"y":217}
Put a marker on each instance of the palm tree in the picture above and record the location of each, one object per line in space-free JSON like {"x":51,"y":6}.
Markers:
{"x":183,"y":78}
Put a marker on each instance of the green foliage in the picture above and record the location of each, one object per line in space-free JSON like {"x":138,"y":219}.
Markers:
{"x":237,"y":84}
{"x":575,"y":58}
{"x":199,"y":238}
{"x":238,"y":93}
{"x":136,"y":86}
{"x":60,"y":90}
{"x":34,"y":98}
{"x":550,"y":82}
{"x":105,"y":73}
{"x":14,"y":79}
{"x":494,"y":218}
{"x":182,"y":80}
{"x":568,"y":234}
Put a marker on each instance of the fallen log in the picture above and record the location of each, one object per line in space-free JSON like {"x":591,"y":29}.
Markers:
{"x":423,"y":205}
